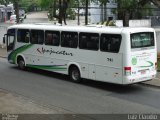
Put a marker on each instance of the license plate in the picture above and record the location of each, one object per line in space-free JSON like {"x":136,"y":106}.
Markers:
{"x":143,"y":72}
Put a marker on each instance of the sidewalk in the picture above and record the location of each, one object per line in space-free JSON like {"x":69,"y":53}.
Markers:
{"x":155,"y":82}
{"x":16,"y":104}
{"x":3,"y":52}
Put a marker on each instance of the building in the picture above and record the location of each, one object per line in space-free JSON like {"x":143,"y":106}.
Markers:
{"x":6,"y":12}
{"x":9,"y":11}
{"x":2,"y":13}
{"x":97,"y":11}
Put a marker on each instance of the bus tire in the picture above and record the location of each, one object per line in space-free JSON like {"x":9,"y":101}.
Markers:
{"x":74,"y":74}
{"x":21,"y":63}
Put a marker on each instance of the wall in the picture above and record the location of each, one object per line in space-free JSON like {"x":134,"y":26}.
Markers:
{"x":158,"y":38}
{"x":3,"y":30}
{"x":140,"y":23}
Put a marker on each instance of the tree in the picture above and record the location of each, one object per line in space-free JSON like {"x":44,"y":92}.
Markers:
{"x":129,"y":9}
{"x":51,"y":5}
{"x":60,"y":12}
{"x":57,"y":5}
{"x":4,"y":2}
{"x":132,"y":9}
{"x":86,"y":12}
{"x":86,"y":4}
{"x":156,"y":2}
{"x":64,"y":10}
{"x":103,"y":4}
{"x":16,"y":7}
{"x":63,"y":6}
{"x":125,"y":10}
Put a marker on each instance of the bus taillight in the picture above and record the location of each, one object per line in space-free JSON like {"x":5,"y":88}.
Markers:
{"x":156,"y":65}
{"x":127,"y":71}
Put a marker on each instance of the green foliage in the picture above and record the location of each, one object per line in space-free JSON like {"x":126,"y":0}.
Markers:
{"x":71,"y":14}
{"x":103,"y":2}
{"x":132,"y":9}
{"x":147,"y":11}
{"x":127,"y":4}
{"x":46,"y":3}
{"x":132,"y":6}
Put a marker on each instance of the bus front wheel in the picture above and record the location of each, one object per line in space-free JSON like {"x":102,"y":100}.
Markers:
{"x":74,"y":74}
{"x":21,"y":63}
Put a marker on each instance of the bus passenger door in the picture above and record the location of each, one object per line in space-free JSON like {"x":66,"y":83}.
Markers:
{"x":92,"y":72}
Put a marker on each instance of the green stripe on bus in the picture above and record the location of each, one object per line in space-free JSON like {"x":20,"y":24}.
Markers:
{"x":151,"y":64}
{"x":14,"y":53}
{"x":56,"y":68}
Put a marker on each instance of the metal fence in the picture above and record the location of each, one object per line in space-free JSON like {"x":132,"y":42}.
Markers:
{"x":98,"y":14}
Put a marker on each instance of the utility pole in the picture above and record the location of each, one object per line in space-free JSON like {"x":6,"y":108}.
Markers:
{"x":86,"y":13}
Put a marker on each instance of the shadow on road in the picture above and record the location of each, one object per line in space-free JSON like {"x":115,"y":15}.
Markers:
{"x":120,"y":89}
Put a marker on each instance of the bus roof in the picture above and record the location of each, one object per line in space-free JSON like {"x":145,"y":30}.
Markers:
{"x":89,"y":28}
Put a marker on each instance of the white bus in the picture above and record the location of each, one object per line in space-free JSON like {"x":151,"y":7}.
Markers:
{"x":108,"y":54}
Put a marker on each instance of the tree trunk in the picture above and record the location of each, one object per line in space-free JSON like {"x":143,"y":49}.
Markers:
{"x":54,"y":8}
{"x":16,"y":6}
{"x":60,"y":12}
{"x":126,"y":18}
{"x":105,"y":11}
{"x":64,"y":10}
{"x":86,"y":13}
{"x":102,"y":16}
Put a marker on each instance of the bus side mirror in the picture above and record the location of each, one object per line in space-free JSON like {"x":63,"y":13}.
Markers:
{"x":4,"y":40}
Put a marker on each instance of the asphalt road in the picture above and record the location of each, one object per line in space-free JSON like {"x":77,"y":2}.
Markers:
{"x":89,"y":97}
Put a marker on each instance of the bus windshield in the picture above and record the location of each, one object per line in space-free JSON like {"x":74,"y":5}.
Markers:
{"x":143,"y":39}
{"x":10,"y":39}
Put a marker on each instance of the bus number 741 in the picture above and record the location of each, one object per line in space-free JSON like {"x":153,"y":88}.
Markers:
{"x":110,"y":59}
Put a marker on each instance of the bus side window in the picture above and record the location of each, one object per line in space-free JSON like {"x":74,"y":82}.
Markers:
{"x":115,"y":45}
{"x":55,"y":40}
{"x":34,"y":39}
{"x":40,"y":37}
{"x":52,"y":38}
{"x":82,"y":42}
{"x":110,"y":43}
{"x":37,"y":36}
{"x":105,"y":44}
{"x":27,"y":37}
{"x":69,"y":39}
{"x":48,"y":39}
{"x":94,"y":42}
{"x":23,"y":35}
{"x":89,"y":41}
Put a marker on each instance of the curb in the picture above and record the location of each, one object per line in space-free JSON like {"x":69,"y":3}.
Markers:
{"x":149,"y":85}
{"x":3,"y":53}
{"x":152,"y":84}
{"x":2,"y":56}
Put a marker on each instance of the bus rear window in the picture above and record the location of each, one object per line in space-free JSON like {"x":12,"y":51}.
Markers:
{"x":143,"y":39}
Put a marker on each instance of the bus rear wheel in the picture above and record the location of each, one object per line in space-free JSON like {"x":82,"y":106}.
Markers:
{"x":21,"y":63}
{"x":74,"y":74}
